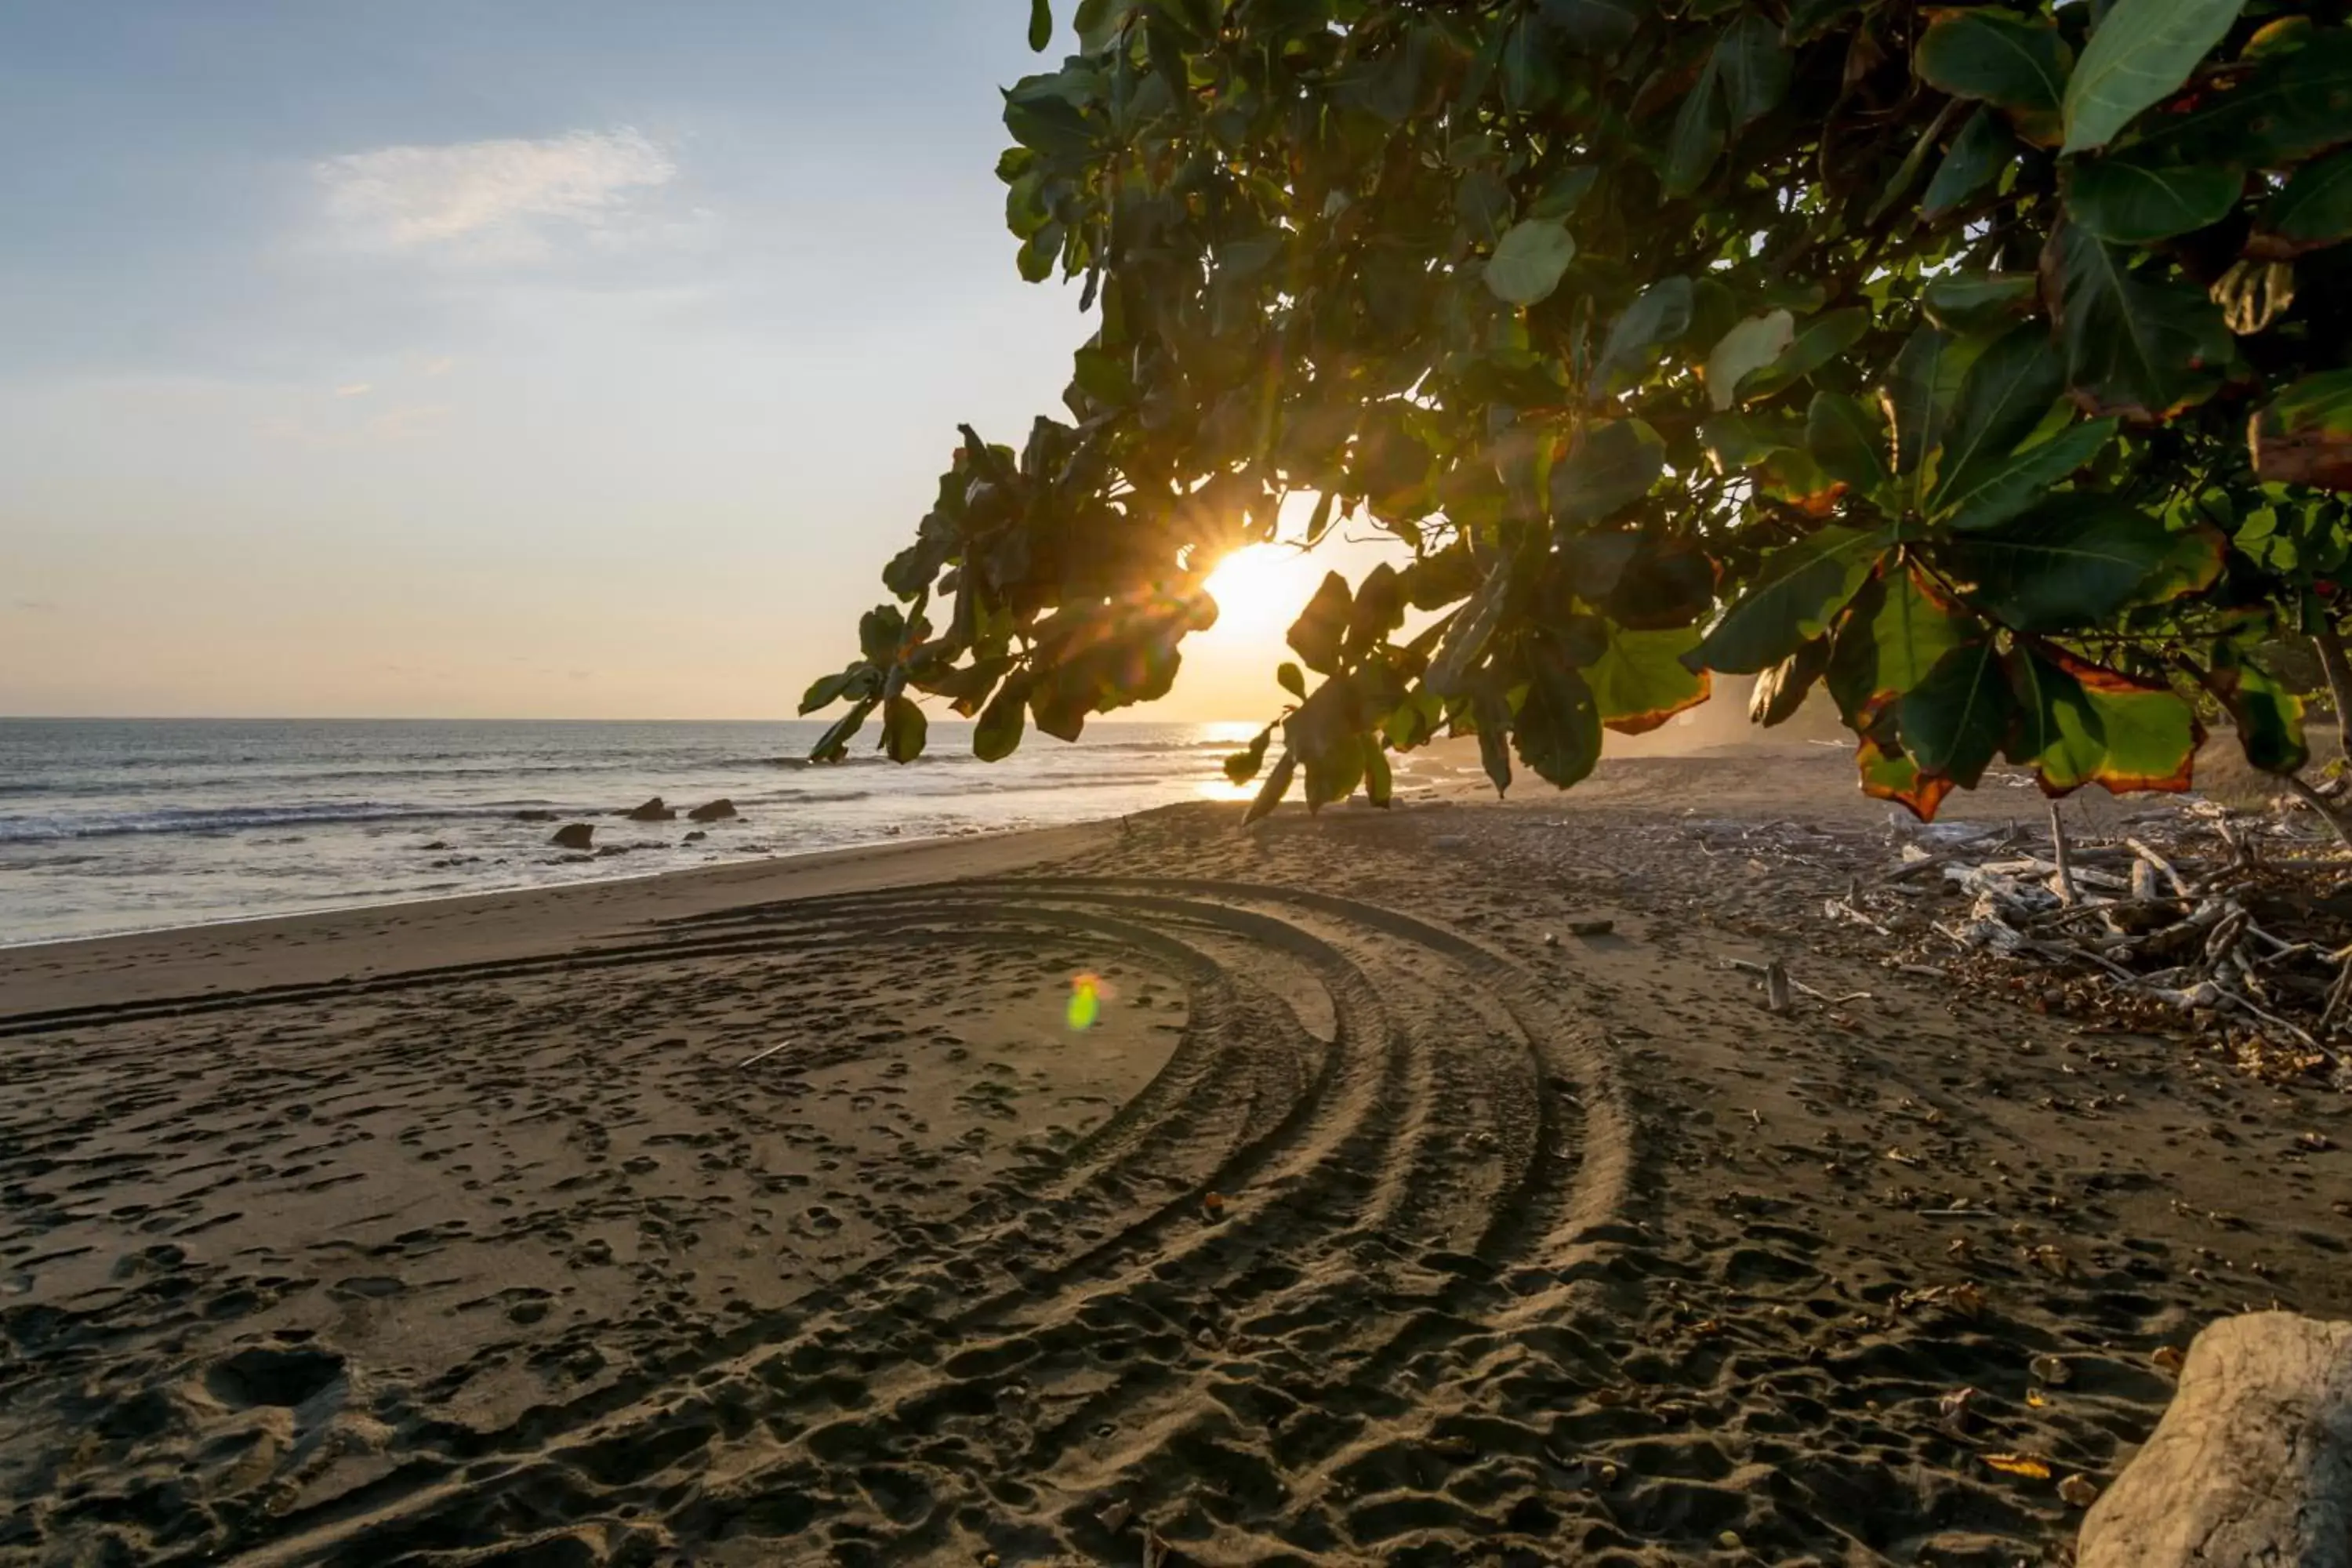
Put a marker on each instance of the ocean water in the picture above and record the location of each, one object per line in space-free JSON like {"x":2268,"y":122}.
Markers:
{"x":129,"y":824}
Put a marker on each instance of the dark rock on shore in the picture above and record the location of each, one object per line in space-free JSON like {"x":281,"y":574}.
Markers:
{"x":696,"y":837}
{"x":717,"y":811}
{"x":573,"y":835}
{"x":534,"y":815}
{"x":653,"y":811}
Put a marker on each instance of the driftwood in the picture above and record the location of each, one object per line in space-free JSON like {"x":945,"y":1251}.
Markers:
{"x":2252,"y":1463}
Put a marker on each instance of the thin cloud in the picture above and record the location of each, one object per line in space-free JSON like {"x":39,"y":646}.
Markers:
{"x":499,"y":196}
{"x":356,"y":389}
{"x":36,"y":606}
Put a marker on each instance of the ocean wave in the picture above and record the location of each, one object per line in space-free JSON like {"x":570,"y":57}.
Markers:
{"x":230,"y":819}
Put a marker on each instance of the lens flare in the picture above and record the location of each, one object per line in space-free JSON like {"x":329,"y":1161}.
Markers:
{"x":1086,"y":1002}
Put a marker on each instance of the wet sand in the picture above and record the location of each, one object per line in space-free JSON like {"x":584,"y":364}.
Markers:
{"x":1381,"y":1218}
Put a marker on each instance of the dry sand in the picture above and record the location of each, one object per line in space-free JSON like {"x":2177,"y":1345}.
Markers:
{"x":470,"y":1233}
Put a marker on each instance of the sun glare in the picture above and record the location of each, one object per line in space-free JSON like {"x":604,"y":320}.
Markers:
{"x":1259,"y":590}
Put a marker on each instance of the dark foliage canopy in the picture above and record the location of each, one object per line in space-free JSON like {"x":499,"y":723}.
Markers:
{"x":1985,"y":366}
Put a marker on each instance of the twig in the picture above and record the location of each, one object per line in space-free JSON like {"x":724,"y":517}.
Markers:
{"x":2311,"y":798}
{"x":2066,"y":892}
{"x":762,"y":1055}
{"x":2171,"y":873}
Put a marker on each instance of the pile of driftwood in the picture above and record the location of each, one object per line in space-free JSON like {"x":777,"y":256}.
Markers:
{"x":2236,"y":923}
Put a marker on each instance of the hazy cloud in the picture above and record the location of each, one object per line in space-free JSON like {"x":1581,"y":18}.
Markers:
{"x":499,"y":197}
{"x":37,"y":606}
{"x":356,"y":389}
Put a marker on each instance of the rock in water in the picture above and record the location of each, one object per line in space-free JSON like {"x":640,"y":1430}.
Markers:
{"x":573,"y":835}
{"x":2253,"y":1464}
{"x":717,"y":811}
{"x":653,"y":811}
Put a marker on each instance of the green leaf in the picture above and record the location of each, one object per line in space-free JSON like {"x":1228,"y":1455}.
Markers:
{"x":2314,"y":212}
{"x":1041,"y":25}
{"x":2142,"y":347}
{"x":2267,"y":715}
{"x":1885,"y":645}
{"x":2132,"y":200}
{"x":826,"y":691}
{"x":1242,"y":765}
{"x":1696,"y":140}
{"x":1817,"y":343}
{"x":1737,"y":441}
{"x":1796,"y":591}
{"x":1277,"y":786}
{"x":1291,"y":679}
{"x":1848,"y":441}
{"x":1466,"y":637}
{"x":2292,"y":106}
{"x":1889,"y":773}
{"x":1321,"y":628}
{"x":2304,"y":436}
{"x":831,"y":745}
{"x":2082,"y":723}
{"x":1754,"y":67}
{"x":1963,"y":303}
{"x":1558,"y":728}
{"x":1530,"y":260}
{"x":1978,"y":154}
{"x":1565,"y":190}
{"x":1921,"y":387}
{"x":904,"y":730}
{"x":1990,"y":493}
{"x":1748,"y":347}
{"x":1781,"y":692}
{"x":1997,"y":56}
{"x":1612,"y":465}
{"x":2072,"y":561}
{"x":1661,"y":314}
{"x":1953,"y":722}
{"x":2003,"y":397}
{"x":1595,"y":26}
{"x":998,"y":733}
{"x":2141,"y":53}
{"x":1640,"y":681}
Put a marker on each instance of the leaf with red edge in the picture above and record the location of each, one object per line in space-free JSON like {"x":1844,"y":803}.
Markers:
{"x":1888,"y":774}
{"x":2080,"y":723}
{"x":1640,"y":682}
{"x":2267,"y":716}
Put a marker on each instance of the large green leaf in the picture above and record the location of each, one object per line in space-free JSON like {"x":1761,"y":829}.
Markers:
{"x":2142,"y":52}
{"x":1737,"y":441}
{"x":998,"y":733}
{"x":1613,"y":464}
{"x":1661,"y":314}
{"x":2304,"y":435}
{"x":1595,"y":26}
{"x":1781,"y":692}
{"x":1754,"y":67}
{"x":1889,"y":773}
{"x":1954,"y":720}
{"x":1697,"y":141}
{"x":1322,"y":626}
{"x":1277,"y":786}
{"x":2069,"y":561}
{"x":2080,"y":723}
{"x":1641,"y":682}
{"x":1921,"y":387}
{"x":1991,"y":491}
{"x":2296,"y":103}
{"x":1847,"y":440}
{"x":1977,"y":156}
{"x":2137,"y":201}
{"x":1896,"y":632}
{"x":1745,"y":348}
{"x":1818,"y":341}
{"x":1558,"y":727}
{"x":2267,"y":714}
{"x":2135,"y":345}
{"x":2006,"y":394}
{"x":1977,"y":302}
{"x":1530,"y":260}
{"x":1984,"y":52}
{"x":1041,"y":25}
{"x":1796,"y":591}
{"x":2314,"y":212}
{"x":904,"y":730}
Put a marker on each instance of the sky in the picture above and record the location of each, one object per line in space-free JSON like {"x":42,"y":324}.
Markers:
{"x":577,"y":360}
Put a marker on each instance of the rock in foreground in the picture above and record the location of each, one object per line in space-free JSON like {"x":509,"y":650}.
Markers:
{"x":574,"y":836}
{"x":653,"y":810}
{"x":717,"y":811}
{"x":2252,"y":1463}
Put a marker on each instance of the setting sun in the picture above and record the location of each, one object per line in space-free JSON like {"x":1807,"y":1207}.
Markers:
{"x":1260,"y":589}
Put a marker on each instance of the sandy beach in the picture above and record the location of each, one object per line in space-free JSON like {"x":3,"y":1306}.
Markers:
{"x":775,"y":1214}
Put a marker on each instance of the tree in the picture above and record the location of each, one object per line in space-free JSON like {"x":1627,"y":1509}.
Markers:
{"x":1984,"y":366}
